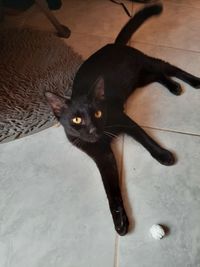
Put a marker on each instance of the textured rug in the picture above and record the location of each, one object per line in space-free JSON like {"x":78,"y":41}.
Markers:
{"x":32,"y":62}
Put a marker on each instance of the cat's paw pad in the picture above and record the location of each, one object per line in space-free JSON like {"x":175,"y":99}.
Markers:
{"x":120,"y":221}
{"x":166,"y":158}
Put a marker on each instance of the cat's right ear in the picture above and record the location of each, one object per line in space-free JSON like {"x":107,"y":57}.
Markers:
{"x":57,"y":103}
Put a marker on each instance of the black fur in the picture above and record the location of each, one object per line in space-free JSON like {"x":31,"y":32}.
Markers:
{"x":101,"y":86}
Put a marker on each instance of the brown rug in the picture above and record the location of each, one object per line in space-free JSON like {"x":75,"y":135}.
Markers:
{"x":32,"y":62}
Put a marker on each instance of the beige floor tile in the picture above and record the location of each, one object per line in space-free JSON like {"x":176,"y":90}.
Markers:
{"x":53,"y":207}
{"x":85,"y":44}
{"x":177,"y":27}
{"x":193,"y":3}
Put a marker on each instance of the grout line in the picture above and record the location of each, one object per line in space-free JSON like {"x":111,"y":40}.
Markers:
{"x":170,"y":131}
{"x":116,"y":256}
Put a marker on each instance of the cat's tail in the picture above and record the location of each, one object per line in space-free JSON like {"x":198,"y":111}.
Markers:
{"x":138,"y":19}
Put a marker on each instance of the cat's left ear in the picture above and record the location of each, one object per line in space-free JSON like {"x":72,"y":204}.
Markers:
{"x":99,"y":88}
{"x":57,"y":103}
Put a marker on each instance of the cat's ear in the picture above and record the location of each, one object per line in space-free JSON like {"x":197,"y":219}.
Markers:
{"x":99,"y":88}
{"x":57,"y":103}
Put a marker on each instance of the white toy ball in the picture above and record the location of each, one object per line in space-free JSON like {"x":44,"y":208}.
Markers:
{"x":157,"y":231}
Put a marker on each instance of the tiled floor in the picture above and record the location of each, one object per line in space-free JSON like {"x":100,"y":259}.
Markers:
{"x":53,"y":210}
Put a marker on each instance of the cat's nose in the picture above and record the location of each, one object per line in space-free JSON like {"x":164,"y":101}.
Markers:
{"x":92,"y":130}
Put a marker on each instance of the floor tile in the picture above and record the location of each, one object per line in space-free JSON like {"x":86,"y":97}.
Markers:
{"x":86,"y":44}
{"x":155,"y":106}
{"x":53,"y":207}
{"x":177,"y":26}
{"x":162,"y":195}
{"x":193,"y":3}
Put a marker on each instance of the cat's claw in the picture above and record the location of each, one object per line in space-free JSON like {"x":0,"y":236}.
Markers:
{"x":166,"y":158}
{"x":120,"y":221}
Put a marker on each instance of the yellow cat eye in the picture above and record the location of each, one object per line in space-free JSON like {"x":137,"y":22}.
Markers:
{"x":77,"y":120}
{"x":98,"y":114}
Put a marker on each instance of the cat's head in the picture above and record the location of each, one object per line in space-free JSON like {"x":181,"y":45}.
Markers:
{"x":83,"y":117}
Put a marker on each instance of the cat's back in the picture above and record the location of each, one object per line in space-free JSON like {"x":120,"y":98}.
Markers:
{"x":109,"y":61}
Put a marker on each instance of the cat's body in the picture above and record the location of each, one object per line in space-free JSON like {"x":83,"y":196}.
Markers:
{"x":94,"y":116}
{"x":119,"y":61}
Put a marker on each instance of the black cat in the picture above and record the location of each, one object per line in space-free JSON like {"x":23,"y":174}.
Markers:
{"x":95,"y":114}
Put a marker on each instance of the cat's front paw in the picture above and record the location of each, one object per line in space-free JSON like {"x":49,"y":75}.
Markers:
{"x":120,"y":220}
{"x":166,"y":158}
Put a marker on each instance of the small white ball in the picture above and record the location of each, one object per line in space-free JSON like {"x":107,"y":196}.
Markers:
{"x":157,"y":231}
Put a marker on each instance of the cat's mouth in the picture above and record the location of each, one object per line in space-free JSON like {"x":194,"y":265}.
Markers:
{"x":89,"y":138}
{"x":92,"y":139}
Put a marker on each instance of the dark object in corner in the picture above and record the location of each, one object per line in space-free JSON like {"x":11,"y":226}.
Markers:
{"x":54,"y":4}
{"x":18,"y":4}
{"x":22,"y":5}
{"x":25,"y":4}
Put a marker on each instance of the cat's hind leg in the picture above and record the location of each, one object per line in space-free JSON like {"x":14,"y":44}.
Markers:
{"x":162,"y":72}
{"x":174,"y":71}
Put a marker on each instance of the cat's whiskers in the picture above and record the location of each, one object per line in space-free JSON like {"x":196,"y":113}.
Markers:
{"x":109,"y":134}
{"x":76,"y":142}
